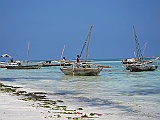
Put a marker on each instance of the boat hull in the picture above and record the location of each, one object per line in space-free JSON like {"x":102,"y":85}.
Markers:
{"x":5,"y":64}
{"x":135,"y":68}
{"x":81,"y":71}
{"x":49,"y":65}
{"x":24,"y":67}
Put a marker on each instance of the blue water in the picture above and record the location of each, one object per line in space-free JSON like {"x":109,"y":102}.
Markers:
{"x":133,"y":95}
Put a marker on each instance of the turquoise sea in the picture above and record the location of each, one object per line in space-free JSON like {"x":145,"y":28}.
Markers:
{"x":115,"y":92}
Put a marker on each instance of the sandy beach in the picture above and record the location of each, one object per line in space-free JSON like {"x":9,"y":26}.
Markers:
{"x":14,"y":106}
{"x":17,"y":103}
{"x":14,"y":109}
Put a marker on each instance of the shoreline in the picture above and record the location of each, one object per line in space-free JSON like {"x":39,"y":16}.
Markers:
{"x":16,"y":103}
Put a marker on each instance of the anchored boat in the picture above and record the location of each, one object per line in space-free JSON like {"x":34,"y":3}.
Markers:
{"x":85,"y":69}
{"x":138,"y":64}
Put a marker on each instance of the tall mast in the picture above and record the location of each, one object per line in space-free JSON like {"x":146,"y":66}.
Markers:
{"x":63,"y":51}
{"x":88,"y":40}
{"x":138,"y":53}
{"x":28,"y":51}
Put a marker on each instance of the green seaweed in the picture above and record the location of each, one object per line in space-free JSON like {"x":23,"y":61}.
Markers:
{"x":80,"y":109}
{"x":9,"y":90}
{"x":1,"y":85}
{"x":46,"y":106}
{"x":59,"y":101}
{"x":58,"y":116}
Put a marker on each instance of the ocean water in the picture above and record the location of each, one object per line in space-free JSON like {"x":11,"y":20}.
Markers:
{"x":115,"y":92}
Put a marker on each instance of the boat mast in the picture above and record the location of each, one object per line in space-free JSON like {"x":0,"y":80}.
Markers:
{"x":144,"y":48}
{"x":62,"y":54}
{"x":138,"y":53}
{"x":28,"y":51}
{"x":63,"y":51}
{"x":88,"y":40}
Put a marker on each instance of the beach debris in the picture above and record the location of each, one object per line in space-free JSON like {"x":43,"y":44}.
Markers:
{"x":80,"y":108}
{"x":84,"y":116}
{"x":58,"y":116}
{"x":79,"y":113}
{"x":59,"y":101}
{"x":98,"y":114}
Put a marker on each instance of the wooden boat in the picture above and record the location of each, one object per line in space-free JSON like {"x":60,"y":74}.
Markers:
{"x":49,"y":65}
{"x":138,"y":63}
{"x":24,"y":67}
{"x":86,"y":69}
{"x":81,"y":71}
{"x":141,"y":67}
{"x":5,"y":64}
{"x":56,"y":63}
{"x":138,"y":53}
{"x":8,"y":62}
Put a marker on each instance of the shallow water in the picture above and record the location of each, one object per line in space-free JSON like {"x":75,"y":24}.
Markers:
{"x":122,"y":93}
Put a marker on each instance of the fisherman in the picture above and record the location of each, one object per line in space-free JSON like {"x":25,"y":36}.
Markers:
{"x":64,"y":59}
{"x":78,"y":60}
{"x":12,"y":60}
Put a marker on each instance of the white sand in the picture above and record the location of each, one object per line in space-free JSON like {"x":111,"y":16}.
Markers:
{"x":13,"y":109}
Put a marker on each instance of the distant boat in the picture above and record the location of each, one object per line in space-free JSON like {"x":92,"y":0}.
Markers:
{"x":5,"y":64}
{"x":138,"y":64}
{"x":139,"y":67}
{"x":143,"y":66}
{"x":24,"y":67}
{"x":8,"y":63}
{"x":55,"y":63}
{"x":86,"y":69}
{"x":52,"y":64}
{"x":138,"y":53}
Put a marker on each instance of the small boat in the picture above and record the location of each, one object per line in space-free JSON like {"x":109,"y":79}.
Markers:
{"x":81,"y":71}
{"x":24,"y":67}
{"x":5,"y":64}
{"x":138,"y":63}
{"x":138,"y":54}
{"x":9,"y":62}
{"x":139,"y":67}
{"x":85,"y":68}
{"x":55,"y":63}
{"x":49,"y":65}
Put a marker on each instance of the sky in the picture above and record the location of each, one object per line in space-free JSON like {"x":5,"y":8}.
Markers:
{"x":51,"y":24}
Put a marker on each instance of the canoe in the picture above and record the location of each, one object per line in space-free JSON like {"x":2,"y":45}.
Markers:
{"x":81,"y":71}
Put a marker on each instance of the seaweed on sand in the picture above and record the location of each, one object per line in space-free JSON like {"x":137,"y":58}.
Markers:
{"x":40,"y":100}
